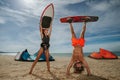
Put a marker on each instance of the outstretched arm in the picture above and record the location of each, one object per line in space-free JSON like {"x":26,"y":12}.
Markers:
{"x":50,"y":30}
{"x":83,"y":30}
{"x":69,"y":66}
{"x":41,"y":31}
{"x":72,"y":30}
{"x":87,"y":67}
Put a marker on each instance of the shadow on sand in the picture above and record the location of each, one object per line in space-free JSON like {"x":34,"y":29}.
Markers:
{"x":41,"y":78}
{"x":92,"y":77}
{"x":80,"y":77}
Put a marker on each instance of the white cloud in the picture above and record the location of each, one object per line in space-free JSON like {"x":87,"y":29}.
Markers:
{"x":14,"y":15}
{"x":2,"y":20}
{"x":114,"y":2}
{"x":60,"y":9}
{"x":103,"y":5}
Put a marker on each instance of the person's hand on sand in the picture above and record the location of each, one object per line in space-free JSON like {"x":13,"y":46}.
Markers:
{"x":30,"y":72}
{"x":48,"y":70}
{"x":67,"y":74}
{"x":89,"y":74}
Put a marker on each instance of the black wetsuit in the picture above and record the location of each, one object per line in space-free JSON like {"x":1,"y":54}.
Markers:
{"x":45,"y":42}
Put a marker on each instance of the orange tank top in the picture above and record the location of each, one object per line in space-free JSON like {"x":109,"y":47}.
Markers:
{"x":79,"y":41}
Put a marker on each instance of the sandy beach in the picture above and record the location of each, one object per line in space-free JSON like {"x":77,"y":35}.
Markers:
{"x":17,"y":70}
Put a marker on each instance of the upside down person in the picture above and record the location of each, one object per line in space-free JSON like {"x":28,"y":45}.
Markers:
{"x":77,"y":56}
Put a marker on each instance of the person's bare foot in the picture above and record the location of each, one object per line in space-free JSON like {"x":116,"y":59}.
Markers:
{"x":69,"y":20}
{"x":87,"y":19}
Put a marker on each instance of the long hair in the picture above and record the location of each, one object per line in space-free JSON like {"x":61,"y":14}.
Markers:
{"x":43,"y":30}
{"x":78,"y":69}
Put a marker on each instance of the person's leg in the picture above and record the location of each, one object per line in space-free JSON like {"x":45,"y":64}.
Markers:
{"x":72,"y":31}
{"x":69,"y":66}
{"x":36,"y":60}
{"x":83,"y":30}
{"x":47,"y":59}
{"x":71,"y":27}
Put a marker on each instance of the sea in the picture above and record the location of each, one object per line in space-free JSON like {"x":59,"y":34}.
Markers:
{"x":57,"y":54}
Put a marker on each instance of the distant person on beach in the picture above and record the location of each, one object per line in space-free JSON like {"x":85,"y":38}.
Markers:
{"x":45,"y":36}
{"x":78,"y":57}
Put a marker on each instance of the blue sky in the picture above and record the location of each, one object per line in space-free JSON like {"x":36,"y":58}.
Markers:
{"x":19,"y":24}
